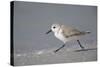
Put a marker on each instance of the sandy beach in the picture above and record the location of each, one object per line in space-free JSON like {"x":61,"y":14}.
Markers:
{"x":68,"y":55}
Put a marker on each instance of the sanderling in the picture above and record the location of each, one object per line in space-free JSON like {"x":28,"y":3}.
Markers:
{"x":65,"y":34}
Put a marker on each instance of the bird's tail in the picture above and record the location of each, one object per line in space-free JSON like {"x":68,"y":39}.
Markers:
{"x":86,"y":32}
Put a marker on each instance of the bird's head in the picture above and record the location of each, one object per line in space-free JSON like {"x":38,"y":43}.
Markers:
{"x":54,"y":28}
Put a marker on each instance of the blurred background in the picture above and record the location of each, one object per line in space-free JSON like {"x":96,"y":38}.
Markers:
{"x":33,"y":20}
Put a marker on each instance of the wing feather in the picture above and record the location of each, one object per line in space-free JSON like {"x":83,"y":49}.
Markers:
{"x":68,"y":31}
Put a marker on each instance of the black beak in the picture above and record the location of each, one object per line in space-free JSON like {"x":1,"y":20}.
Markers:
{"x":49,"y":31}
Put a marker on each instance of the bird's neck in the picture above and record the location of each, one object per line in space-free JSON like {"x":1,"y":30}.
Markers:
{"x":58,"y":31}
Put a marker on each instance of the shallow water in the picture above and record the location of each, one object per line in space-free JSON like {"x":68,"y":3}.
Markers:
{"x":65,"y":55}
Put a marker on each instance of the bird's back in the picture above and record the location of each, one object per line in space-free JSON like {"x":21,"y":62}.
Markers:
{"x":69,"y":31}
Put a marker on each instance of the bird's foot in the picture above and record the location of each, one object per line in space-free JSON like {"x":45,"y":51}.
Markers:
{"x":56,"y":51}
{"x":59,"y":48}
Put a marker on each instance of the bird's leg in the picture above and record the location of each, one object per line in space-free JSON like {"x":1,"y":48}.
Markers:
{"x":80,"y":44}
{"x":59,"y":48}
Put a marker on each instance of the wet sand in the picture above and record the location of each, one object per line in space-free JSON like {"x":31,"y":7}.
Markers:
{"x":49,"y":57}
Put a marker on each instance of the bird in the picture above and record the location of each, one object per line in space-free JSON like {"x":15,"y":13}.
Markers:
{"x":67,"y":33}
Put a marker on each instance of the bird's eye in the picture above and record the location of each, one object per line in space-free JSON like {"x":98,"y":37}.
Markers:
{"x":54,"y":27}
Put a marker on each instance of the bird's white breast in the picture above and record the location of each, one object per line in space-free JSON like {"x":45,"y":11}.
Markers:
{"x":60,"y":36}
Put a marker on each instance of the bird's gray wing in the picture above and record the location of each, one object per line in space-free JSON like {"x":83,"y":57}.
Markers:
{"x":69,"y":32}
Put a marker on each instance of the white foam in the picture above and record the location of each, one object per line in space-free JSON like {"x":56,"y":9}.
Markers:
{"x":40,"y":52}
{"x":18,"y":55}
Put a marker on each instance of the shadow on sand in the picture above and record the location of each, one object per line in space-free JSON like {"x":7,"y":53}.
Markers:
{"x":85,"y":49}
